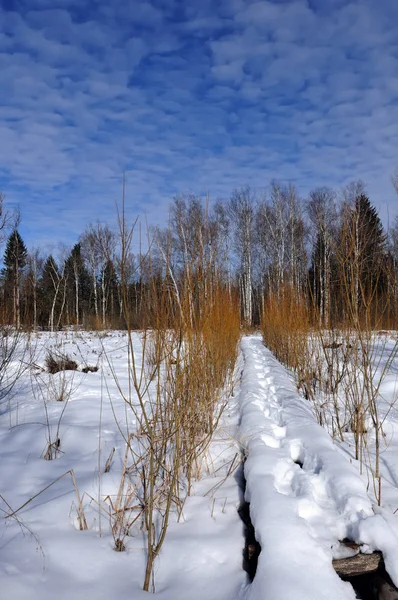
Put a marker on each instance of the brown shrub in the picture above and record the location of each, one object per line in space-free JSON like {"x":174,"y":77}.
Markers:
{"x":59,"y":362}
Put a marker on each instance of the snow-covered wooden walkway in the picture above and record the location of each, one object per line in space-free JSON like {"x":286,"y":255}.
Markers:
{"x":304,"y":493}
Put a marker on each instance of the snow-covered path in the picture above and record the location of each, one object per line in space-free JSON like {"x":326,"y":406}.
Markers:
{"x":304,"y":494}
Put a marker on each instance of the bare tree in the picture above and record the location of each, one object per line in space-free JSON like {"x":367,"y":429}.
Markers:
{"x":34,"y":266}
{"x":395,"y":180}
{"x":8,"y":219}
{"x":222,"y":219}
{"x":98,"y":245}
{"x":280,"y":234}
{"x":242,"y":207}
{"x":321,"y":210}
{"x":106,"y":241}
{"x":90,"y":251}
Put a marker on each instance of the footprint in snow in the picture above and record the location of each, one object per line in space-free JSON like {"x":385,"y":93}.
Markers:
{"x":284,"y":474}
{"x":279,"y":431}
{"x":270,"y":441}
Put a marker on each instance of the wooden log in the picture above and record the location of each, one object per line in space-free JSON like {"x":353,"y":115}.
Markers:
{"x":359,"y":564}
{"x":386,"y":590}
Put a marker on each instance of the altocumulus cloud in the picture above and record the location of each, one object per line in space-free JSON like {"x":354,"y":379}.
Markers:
{"x":200,"y":95}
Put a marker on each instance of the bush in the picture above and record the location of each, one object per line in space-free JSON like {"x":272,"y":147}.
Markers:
{"x":59,"y":362}
{"x":89,"y":369}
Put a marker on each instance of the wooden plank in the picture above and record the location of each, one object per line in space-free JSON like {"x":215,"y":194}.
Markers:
{"x":360,"y":564}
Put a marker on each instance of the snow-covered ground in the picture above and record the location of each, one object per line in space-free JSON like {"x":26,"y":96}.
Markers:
{"x":305,"y":493}
{"x":44,"y":554}
{"x":304,"y":489}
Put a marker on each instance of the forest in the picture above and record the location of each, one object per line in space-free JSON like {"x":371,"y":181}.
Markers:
{"x":328,"y":253}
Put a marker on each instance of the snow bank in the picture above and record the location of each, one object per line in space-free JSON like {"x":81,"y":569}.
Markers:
{"x":304,"y":494}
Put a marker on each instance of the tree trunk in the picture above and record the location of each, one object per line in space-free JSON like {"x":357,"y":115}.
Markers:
{"x":103,"y":291}
{"x":17,"y":311}
{"x":77,"y":296}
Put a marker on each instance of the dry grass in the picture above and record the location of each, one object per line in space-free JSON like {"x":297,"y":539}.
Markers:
{"x":189,"y":336}
{"x":286,"y":324}
{"x":79,"y":502}
{"x":340,"y":369}
{"x":56,"y":362}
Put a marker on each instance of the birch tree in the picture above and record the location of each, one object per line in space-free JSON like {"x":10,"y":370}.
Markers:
{"x":242,"y":213}
{"x":280,"y":235}
{"x":34,"y":266}
{"x":90,"y":251}
{"x":98,"y":244}
{"x":53,"y":290}
{"x":322,"y":214}
{"x":222,"y":219}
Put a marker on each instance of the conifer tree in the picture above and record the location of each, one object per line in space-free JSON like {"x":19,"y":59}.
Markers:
{"x":14,"y":260}
{"x":371,"y":244}
{"x":364,"y":246}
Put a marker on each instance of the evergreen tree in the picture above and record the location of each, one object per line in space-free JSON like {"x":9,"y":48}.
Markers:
{"x":14,"y":260}
{"x":364,"y":244}
{"x":371,"y":243}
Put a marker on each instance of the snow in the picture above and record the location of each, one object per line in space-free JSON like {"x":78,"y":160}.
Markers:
{"x":46,"y":555}
{"x":300,"y":512}
{"x":305,"y":490}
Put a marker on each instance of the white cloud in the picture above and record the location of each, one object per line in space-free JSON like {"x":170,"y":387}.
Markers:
{"x":203,"y":98}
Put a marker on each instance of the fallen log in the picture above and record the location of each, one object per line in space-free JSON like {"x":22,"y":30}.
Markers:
{"x":359,"y":564}
{"x":367,"y":565}
{"x":386,"y":590}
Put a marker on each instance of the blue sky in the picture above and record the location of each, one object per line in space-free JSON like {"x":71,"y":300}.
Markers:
{"x":190,"y":95}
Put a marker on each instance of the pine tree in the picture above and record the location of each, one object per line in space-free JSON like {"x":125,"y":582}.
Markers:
{"x":14,"y":260}
{"x":371,"y":245}
{"x":365,"y":246}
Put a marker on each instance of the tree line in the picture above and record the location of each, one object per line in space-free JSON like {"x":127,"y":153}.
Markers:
{"x":329,"y":251}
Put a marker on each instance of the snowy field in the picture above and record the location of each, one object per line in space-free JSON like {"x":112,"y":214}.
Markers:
{"x":43,"y":554}
{"x":305,"y":490}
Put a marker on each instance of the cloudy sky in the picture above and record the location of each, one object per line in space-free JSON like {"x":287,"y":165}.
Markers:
{"x":190,"y":95}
